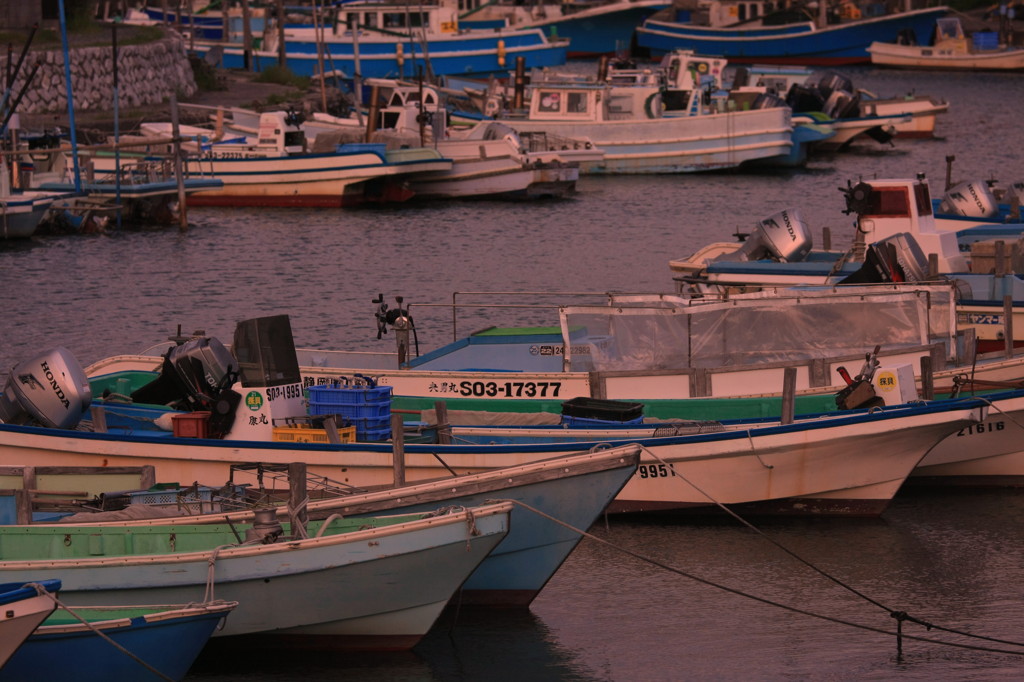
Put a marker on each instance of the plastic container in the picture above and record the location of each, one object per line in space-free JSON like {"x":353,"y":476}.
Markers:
{"x":342,"y":394}
{"x":353,"y":411}
{"x":985,"y":40}
{"x":191,"y":425}
{"x":302,"y":433}
{"x":607,"y":410}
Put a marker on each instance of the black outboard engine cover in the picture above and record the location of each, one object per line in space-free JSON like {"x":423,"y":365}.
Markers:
{"x":191,"y":374}
{"x":896,"y":259}
{"x":51,"y":388}
{"x":803,"y":98}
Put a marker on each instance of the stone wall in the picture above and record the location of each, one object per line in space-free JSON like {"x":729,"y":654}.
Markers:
{"x":146,"y":74}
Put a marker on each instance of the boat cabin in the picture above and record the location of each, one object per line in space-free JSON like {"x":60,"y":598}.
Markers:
{"x":436,"y":16}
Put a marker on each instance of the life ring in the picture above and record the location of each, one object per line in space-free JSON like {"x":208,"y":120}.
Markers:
{"x":651,"y":109}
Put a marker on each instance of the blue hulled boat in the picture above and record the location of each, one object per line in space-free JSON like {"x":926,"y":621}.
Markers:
{"x":741,"y":33}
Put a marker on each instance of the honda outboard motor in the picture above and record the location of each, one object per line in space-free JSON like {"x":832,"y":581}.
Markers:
{"x":191,"y":375}
{"x":898,"y":258}
{"x":51,"y":388}
{"x":783,"y":236}
{"x":971,"y":199}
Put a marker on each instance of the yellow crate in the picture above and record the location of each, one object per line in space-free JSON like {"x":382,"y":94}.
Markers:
{"x":300,"y":433}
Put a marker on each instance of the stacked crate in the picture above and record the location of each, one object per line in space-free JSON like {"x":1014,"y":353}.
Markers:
{"x":365,"y":406}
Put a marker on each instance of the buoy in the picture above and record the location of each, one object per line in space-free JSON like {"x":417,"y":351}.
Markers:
{"x":399,"y":55}
{"x":501,"y":53}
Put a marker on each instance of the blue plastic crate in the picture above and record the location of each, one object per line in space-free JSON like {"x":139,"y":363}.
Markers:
{"x":353,"y":411}
{"x":348,"y":395}
{"x":369,"y":424}
{"x":373,"y":434}
{"x":584,"y":422}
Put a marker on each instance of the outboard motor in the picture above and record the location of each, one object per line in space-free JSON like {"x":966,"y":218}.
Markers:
{"x":192,"y":375}
{"x":971,"y":199}
{"x":783,"y":236}
{"x":898,"y":258}
{"x":51,"y":388}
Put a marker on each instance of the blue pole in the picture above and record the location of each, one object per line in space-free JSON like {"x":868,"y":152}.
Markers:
{"x":71,"y":102}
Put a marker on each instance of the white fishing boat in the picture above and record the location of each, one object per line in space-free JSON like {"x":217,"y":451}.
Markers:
{"x":804,"y":471}
{"x":488,"y":159}
{"x":643,"y":127}
{"x":364,"y":583}
{"x":278,"y":168}
{"x":951,"y":50}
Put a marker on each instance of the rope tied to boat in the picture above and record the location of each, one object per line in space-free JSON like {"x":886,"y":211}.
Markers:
{"x":456,"y":509}
{"x":786,"y":607}
{"x":43,"y":592}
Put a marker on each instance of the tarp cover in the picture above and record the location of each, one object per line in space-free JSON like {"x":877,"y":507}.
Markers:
{"x":664,"y":332}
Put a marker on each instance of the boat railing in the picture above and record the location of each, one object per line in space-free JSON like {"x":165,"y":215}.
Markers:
{"x":540,"y":141}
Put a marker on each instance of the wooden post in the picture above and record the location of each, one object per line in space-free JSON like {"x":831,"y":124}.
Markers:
{"x":331,"y":427}
{"x":1000,"y":255}
{"x":444,"y":429}
{"x":1008,"y":325}
{"x":28,"y":484}
{"x":788,"y":395}
{"x":927,"y":379}
{"x":933,"y":265}
{"x":178,"y":176}
{"x":297,"y":496}
{"x":371,"y":119}
{"x":398,"y":448}
{"x":519,"y":91}
{"x":99,"y":418}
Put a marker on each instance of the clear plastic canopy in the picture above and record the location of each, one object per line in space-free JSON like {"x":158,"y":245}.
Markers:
{"x":664,"y":332}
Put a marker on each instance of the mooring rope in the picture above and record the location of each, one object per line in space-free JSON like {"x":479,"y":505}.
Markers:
{"x":899,"y":615}
{"x":43,"y":591}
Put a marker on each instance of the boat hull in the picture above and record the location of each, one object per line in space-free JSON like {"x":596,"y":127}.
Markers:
{"x":928,"y":58}
{"x":361,"y":589}
{"x":168,"y":641}
{"x":24,"y":609}
{"x":834,"y":45}
{"x":676,"y":144}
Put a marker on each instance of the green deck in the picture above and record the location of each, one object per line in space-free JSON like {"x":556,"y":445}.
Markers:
{"x":30,"y":543}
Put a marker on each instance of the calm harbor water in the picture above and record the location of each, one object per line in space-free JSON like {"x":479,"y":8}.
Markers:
{"x":953,"y":559}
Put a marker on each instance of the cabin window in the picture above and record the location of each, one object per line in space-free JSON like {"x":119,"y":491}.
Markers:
{"x":388,"y":119}
{"x":743,"y":12}
{"x":370,"y":20}
{"x":417,"y":19}
{"x":577,"y":102}
{"x":394,"y":20}
{"x":924,"y":199}
{"x":294,"y":138}
{"x":550,"y":101}
{"x":396,"y":100}
{"x":890,"y":201}
{"x":753,"y":11}
{"x":352,"y":20}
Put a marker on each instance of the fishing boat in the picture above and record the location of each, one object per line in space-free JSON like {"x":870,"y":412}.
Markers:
{"x":951,"y":50}
{"x":554,"y":497}
{"x":593,"y":27}
{"x":643,"y":129}
{"x":278,"y":168}
{"x":149,"y":643}
{"x":26,"y":604}
{"x":41,"y":493}
{"x":393,"y":40}
{"x":242,"y":429}
{"x":744,"y":31}
{"x":367,"y":583}
{"x":896,"y":229}
{"x":22,"y":212}
{"x":488,"y":159}
{"x":850,"y":111}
